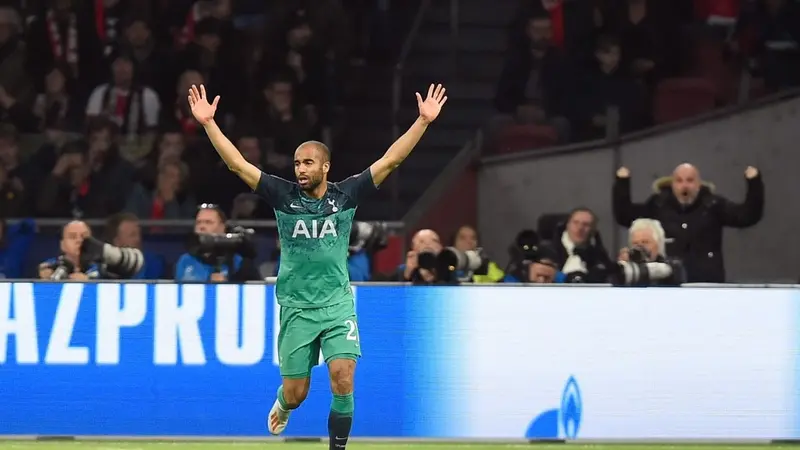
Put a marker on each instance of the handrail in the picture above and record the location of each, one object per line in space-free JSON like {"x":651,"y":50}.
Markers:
{"x":397,"y":89}
{"x":187,"y":223}
{"x":579,"y":147}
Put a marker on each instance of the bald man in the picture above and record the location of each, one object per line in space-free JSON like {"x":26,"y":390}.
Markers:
{"x":692,"y":215}
{"x":72,"y":237}
{"x":422,"y":242}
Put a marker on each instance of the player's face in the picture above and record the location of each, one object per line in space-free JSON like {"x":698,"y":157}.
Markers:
{"x":310,"y":167}
{"x":71,"y":240}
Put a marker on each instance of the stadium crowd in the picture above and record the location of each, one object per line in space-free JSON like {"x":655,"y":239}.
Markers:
{"x":101,"y":85}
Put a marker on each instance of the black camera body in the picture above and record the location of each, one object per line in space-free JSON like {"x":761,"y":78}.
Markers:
{"x":215,"y":247}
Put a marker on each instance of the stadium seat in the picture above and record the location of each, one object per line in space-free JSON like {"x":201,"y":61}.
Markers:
{"x":682,"y":98}
{"x":547,"y":225}
{"x":516,"y":138}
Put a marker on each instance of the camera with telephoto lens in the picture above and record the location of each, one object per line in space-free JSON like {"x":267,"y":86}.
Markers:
{"x":370,"y":237}
{"x":114,"y":262}
{"x":638,"y":255}
{"x":452,"y":265}
{"x":61,"y":269}
{"x":522,"y":252}
{"x":239,"y":241}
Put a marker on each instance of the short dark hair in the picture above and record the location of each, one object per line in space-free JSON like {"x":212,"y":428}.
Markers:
{"x":112,"y":224}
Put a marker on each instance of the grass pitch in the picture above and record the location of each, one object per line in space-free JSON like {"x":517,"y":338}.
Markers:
{"x":113,"y":445}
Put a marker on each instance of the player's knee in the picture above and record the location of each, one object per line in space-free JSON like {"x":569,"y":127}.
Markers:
{"x":295,"y":392}
{"x":342,"y":372}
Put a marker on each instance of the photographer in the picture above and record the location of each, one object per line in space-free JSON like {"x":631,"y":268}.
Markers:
{"x":533,"y":261}
{"x":365,"y":240}
{"x":71,"y":264}
{"x":427,"y":245}
{"x":644,"y":262}
{"x":466,"y":240}
{"x":214,"y":255}
{"x":123,"y":230}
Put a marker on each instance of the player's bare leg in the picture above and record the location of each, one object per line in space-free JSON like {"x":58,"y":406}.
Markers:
{"x":291,"y":394}
{"x":340,"y":419}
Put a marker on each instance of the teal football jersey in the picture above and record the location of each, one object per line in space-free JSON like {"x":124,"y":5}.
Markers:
{"x":314,"y":236}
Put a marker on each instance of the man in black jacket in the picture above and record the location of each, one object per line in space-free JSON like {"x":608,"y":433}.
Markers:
{"x":692,"y":215}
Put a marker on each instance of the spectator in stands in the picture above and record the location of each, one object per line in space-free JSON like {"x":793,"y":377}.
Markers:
{"x":574,"y":24}
{"x":282,"y":118}
{"x":229,"y":192}
{"x":170,"y":145}
{"x":198,"y":265}
{"x":581,"y":250}
{"x":204,"y":54}
{"x":179,"y":111}
{"x":692,"y":215}
{"x":424,"y":241}
{"x":62,"y":36}
{"x":608,"y":86}
{"x":168,"y":200}
{"x":534,"y":86}
{"x":68,"y":191}
{"x":55,"y":108}
{"x":72,"y":237}
{"x":15,"y":85}
{"x":20,"y":179}
{"x":15,"y":241}
{"x":108,"y":168}
{"x":133,"y":107}
{"x":150,"y":61}
{"x":107,"y":18}
{"x":466,"y":239}
{"x":773,"y":32}
{"x":644,"y":31}
{"x":123,"y":230}
{"x":647,"y":243}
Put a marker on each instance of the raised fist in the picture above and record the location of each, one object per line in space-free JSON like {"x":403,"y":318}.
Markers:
{"x":750,"y":173}
{"x":623,"y":172}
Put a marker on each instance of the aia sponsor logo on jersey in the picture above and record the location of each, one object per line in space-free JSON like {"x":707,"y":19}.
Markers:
{"x":314,"y":229}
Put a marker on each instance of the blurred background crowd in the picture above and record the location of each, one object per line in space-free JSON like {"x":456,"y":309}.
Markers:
{"x":96,"y":127}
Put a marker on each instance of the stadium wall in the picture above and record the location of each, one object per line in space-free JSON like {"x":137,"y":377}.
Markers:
{"x":515,"y":190}
{"x":490,"y":362}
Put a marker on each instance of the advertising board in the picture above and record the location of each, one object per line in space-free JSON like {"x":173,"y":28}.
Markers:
{"x":135,"y":359}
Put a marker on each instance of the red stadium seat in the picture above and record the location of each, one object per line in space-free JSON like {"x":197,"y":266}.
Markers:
{"x":682,"y":98}
{"x":516,"y":138}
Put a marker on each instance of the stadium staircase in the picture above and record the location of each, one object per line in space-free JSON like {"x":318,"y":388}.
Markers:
{"x":469,"y":69}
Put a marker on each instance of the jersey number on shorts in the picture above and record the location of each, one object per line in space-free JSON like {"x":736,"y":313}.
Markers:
{"x":352,"y":335}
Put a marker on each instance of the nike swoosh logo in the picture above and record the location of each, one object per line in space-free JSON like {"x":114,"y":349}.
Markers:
{"x":295,"y":206}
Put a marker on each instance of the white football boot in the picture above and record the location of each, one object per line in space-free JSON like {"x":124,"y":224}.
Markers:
{"x":277,"y":420}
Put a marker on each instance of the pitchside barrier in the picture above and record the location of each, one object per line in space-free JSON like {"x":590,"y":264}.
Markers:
{"x":491,"y":362}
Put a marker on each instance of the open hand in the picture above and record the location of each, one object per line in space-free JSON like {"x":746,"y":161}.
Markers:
{"x":430,"y":108}
{"x":202,"y":111}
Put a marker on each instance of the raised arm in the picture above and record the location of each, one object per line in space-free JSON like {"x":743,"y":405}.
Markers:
{"x":429,"y":110}
{"x":204,"y":113}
